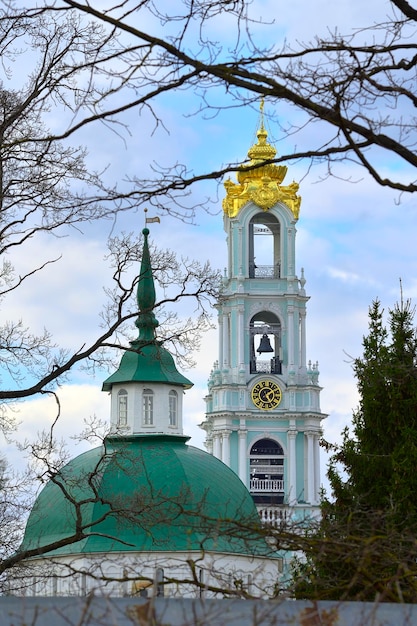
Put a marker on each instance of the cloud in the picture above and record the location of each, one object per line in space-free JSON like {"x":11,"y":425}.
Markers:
{"x":346,"y":277}
{"x":78,"y":405}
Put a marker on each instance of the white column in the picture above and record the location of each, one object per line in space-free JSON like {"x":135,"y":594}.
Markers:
{"x":292,"y":469}
{"x":220,"y":322}
{"x":317,"y":467}
{"x":291,"y":250}
{"x":243,"y":474}
{"x":225,"y":341}
{"x":240,"y":257}
{"x":226,"y":447}
{"x":290,"y":336}
{"x":310,"y":468}
{"x":241,"y":338}
{"x":303,"y":338}
{"x":217,"y":451}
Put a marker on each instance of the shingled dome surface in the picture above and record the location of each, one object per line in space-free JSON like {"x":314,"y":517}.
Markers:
{"x":146,"y":493}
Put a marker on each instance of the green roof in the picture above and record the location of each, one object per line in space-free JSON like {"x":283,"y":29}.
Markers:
{"x":146,"y":493}
{"x":151,"y":363}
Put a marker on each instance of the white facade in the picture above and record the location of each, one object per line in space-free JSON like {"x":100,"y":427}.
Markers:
{"x":146,"y":408}
{"x":149,"y":574}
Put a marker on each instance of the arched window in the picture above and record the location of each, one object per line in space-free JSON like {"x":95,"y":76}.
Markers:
{"x":201,"y":582}
{"x":122,"y":408}
{"x":147,"y":407}
{"x":159,"y":582}
{"x":83,"y":583}
{"x":173,"y":408}
{"x":267,"y":472}
{"x":264,"y":246}
{"x":250,"y":581}
{"x":265,"y":344}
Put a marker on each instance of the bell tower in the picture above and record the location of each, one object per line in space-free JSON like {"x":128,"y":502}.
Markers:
{"x":263,"y":416}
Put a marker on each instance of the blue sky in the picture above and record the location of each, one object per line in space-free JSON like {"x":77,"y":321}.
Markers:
{"x":355,"y":240}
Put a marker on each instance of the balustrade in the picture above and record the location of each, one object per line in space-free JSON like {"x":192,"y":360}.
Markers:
{"x":265,"y":485}
{"x":264,"y":271}
{"x":275,"y":517}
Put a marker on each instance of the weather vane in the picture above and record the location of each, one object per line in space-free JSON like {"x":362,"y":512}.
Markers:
{"x":150,"y":220}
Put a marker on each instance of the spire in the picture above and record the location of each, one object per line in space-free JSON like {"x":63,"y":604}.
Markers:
{"x":147,"y":360}
{"x":260,"y":182}
{"x":261,"y":151}
{"x":146,"y":321}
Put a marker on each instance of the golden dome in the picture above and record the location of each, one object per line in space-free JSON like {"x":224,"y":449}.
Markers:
{"x":260,"y":183}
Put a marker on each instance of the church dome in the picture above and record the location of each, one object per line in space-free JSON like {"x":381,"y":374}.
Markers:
{"x":144,"y":493}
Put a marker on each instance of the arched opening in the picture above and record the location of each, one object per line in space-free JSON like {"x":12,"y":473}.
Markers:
{"x":267,"y":472}
{"x":173,"y":408}
{"x":264,"y":246}
{"x":265,"y":344}
{"x":147,"y":416}
{"x":159,"y":583}
{"x":122,"y":407}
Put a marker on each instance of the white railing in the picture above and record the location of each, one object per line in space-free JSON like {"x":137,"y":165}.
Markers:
{"x":266,"y":469}
{"x":271,"y":366}
{"x":263,"y":367}
{"x":262,"y":485}
{"x":274,"y":516}
{"x":264,"y":271}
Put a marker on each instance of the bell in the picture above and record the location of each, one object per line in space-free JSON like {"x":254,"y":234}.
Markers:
{"x":265,"y":344}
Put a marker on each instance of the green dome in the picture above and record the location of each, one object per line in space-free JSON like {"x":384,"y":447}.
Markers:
{"x":145,"y":493}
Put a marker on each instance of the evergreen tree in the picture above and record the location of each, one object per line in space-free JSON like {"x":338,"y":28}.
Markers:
{"x":365,"y":545}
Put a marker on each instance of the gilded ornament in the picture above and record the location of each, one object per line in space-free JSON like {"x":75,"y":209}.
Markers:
{"x":266,"y":195}
{"x":259,"y":183}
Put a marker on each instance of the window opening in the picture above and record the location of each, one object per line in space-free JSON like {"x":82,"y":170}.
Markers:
{"x":267,"y":472}
{"x":201,"y":583}
{"x":264,"y":246}
{"x":159,"y":582}
{"x":173,"y":408}
{"x":265,"y":344}
{"x":122,"y":408}
{"x":148,"y":407}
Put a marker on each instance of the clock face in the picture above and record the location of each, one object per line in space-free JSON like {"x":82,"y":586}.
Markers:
{"x":266,"y":395}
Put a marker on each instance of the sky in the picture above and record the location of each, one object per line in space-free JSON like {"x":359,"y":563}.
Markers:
{"x":355,"y":241}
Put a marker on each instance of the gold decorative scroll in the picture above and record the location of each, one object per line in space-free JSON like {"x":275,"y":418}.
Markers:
{"x":259,"y":183}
